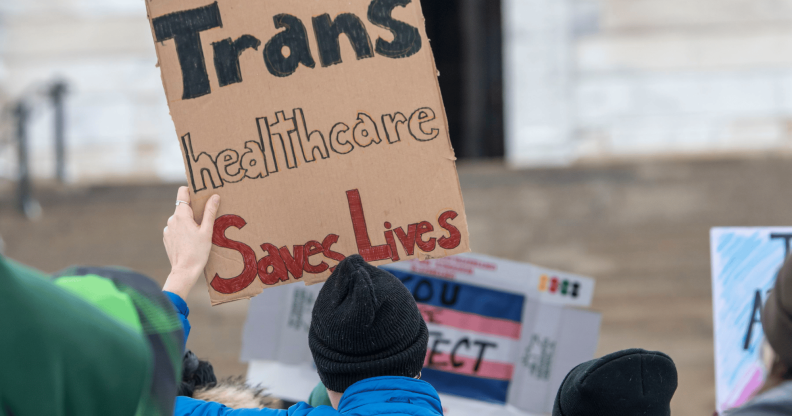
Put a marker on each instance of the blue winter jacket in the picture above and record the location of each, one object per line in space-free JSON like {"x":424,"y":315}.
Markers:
{"x":369,"y":397}
{"x":374,"y":396}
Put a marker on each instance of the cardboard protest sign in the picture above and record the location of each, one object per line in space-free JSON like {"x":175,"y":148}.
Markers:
{"x":320,"y":145}
{"x":745,"y":262}
{"x":497,"y":333}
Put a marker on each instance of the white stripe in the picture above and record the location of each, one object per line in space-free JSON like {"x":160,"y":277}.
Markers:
{"x":505,"y":351}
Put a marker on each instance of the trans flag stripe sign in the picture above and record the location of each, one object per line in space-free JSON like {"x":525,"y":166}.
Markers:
{"x":500,"y":332}
{"x":474,"y":333}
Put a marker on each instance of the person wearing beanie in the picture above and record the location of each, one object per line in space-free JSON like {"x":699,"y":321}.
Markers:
{"x":625,"y":383}
{"x":366,"y":326}
{"x":775,"y":396}
{"x":367,"y":336}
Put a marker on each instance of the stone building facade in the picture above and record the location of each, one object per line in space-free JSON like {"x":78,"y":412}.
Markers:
{"x":584,"y":79}
{"x":117,"y":120}
{"x":623,"y":78}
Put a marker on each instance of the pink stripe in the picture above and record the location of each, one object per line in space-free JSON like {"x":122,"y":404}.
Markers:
{"x":467,"y":366}
{"x":750,"y":388}
{"x":470,"y":321}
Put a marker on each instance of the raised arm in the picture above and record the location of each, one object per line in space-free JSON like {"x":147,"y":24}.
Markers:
{"x":188,"y":243}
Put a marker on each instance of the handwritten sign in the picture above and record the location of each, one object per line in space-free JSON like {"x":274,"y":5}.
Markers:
{"x":548,"y":286}
{"x":320,"y":145}
{"x":745,"y":262}
{"x":494,"y":334}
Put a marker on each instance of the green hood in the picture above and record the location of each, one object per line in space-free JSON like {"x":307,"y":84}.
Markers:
{"x":137,"y":302}
{"x":99,"y":341}
{"x":64,"y":356}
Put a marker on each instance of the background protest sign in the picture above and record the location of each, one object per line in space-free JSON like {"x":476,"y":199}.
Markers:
{"x":497,"y":333}
{"x":320,"y":145}
{"x":546,"y":285}
{"x":745,"y":262}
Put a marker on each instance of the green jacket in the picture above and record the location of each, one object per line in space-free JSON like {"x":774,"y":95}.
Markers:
{"x":64,"y":356}
{"x":93,"y":343}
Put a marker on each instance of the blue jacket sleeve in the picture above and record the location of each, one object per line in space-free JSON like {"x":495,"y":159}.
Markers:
{"x":184,"y":312}
{"x":186,"y":406}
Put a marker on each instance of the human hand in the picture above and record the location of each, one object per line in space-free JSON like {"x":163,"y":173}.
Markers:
{"x":188,"y":243}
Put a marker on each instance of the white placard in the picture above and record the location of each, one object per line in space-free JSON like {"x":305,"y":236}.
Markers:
{"x":745,"y":262}
{"x":499,"y":331}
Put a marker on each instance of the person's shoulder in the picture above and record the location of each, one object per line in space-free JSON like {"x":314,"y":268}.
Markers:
{"x":187,"y":406}
{"x":777,"y":401}
{"x":304,"y":409}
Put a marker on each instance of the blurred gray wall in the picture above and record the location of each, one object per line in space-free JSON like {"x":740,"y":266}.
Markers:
{"x":118,"y":125}
{"x":583,"y":79}
{"x":621,"y":78}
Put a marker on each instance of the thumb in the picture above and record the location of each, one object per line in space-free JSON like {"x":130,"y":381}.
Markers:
{"x":210,"y":213}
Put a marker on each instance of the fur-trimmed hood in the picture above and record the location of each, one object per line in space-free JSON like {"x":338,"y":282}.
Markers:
{"x":199,"y":382}
{"x":235,"y":393}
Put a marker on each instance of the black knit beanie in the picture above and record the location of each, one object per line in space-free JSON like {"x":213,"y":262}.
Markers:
{"x":365,"y":323}
{"x":625,"y":383}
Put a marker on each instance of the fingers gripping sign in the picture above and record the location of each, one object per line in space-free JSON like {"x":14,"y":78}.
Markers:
{"x":188,"y":243}
{"x":182,"y":198}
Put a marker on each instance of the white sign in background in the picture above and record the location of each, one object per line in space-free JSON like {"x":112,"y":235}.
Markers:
{"x":745,"y":262}
{"x":552,"y":337}
{"x":539,"y":283}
